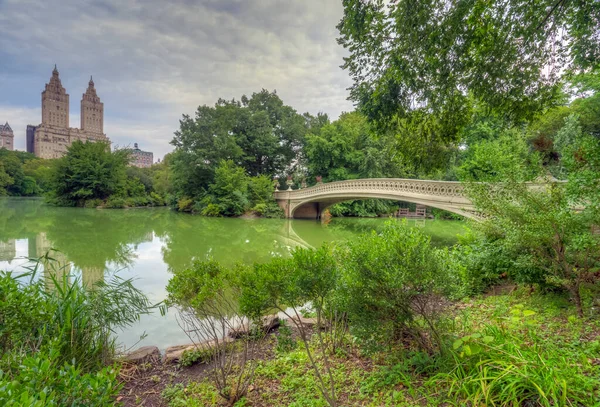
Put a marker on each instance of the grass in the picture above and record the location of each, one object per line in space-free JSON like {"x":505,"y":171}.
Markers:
{"x":508,"y":350}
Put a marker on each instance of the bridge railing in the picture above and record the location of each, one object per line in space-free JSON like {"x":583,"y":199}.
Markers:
{"x":409,"y":186}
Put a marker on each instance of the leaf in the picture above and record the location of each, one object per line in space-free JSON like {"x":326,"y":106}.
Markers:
{"x":476,"y":336}
{"x":457,"y":344}
{"x":488,"y":339}
{"x":528,"y":313}
{"x":467,"y":350}
{"x":475,"y":349}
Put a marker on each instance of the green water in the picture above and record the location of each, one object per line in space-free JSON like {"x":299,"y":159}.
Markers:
{"x":149,"y":244}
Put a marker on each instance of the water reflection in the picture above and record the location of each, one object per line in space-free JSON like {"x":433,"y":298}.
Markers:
{"x":149,"y":244}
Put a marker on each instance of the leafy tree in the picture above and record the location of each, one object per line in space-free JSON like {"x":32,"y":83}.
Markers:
{"x":390,"y":280}
{"x":5,"y":180}
{"x":286,"y":285}
{"x":17,"y":183}
{"x":88,"y":171}
{"x":229,"y":191}
{"x":424,"y":64}
{"x":547,"y":227}
{"x":40,"y":170}
{"x":508,"y":155}
{"x":260,"y":134}
{"x":349,"y":149}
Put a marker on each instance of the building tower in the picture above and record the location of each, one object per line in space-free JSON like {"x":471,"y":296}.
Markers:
{"x":92,"y":110}
{"x":55,"y":103}
{"x":7,"y":137}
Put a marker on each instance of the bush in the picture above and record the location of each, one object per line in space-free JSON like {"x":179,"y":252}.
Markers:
{"x":539,"y":225}
{"x":260,"y":190}
{"x":115,"y":202}
{"x":211,"y":210}
{"x":185,"y":205}
{"x":268,"y":210}
{"x":93,"y":203}
{"x":391,"y":284}
{"x":57,"y":336}
{"x":156,"y":199}
{"x":42,"y":380}
{"x":206,"y":297}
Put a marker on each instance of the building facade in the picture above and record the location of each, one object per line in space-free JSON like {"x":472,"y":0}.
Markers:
{"x":139,"y":158}
{"x":7,"y":137}
{"x":53,"y":136}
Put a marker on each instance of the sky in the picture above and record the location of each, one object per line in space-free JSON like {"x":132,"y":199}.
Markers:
{"x":154,"y":60}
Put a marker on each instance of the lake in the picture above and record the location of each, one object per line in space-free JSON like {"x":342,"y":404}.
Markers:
{"x":148,"y":245}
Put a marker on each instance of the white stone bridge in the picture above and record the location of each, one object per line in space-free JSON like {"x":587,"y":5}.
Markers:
{"x":309,"y":203}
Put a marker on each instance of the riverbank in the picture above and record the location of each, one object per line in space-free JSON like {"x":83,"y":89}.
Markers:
{"x":517,"y":341}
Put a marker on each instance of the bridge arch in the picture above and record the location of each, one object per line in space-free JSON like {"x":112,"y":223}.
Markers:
{"x":309,"y":203}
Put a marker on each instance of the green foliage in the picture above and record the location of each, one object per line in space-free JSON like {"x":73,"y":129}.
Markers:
{"x":57,"y":336}
{"x":260,"y":134}
{"x":268,"y":210}
{"x":230,"y":189}
{"x":196,"y":355}
{"x":88,"y":171}
{"x":21,"y":174}
{"x":260,"y":190}
{"x":348,"y":148}
{"x":547,"y":228}
{"x":233,"y":193}
{"x":390,"y":280}
{"x":513,"y":365}
{"x":285,"y":340}
{"x":198,"y":287}
{"x":43,"y":380}
{"x":429,"y":63}
{"x":494,"y":160}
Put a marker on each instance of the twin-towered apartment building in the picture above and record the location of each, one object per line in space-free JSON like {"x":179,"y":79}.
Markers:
{"x":53,"y":136}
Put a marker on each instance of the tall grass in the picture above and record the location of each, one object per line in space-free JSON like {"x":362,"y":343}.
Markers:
{"x":496,"y":368}
{"x":59,"y":311}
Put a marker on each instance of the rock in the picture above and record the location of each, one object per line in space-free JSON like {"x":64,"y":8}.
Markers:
{"x":173,"y":354}
{"x":306,"y":322}
{"x":268,"y":323}
{"x":144,"y":354}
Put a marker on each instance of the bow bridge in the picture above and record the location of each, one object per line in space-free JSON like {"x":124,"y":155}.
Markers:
{"x":309,"y":203}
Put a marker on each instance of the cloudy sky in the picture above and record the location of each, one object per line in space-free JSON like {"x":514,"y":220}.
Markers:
{"x":153,"y":60}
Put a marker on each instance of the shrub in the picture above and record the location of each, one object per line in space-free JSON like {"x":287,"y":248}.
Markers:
{"x":42,"y":380}
{"x":156,"y":199}
{"x":211,"y":210}
{"x":286,"y":285}
{"x":268,"y":210}
{"x":185,"y":204}
{"x":549,"y":228}
{"x":115,"y":202}
{"x":260,"y":190}
{"x":391,"y":284}
{"x":206,"y":297}
{"x":93,"y":203}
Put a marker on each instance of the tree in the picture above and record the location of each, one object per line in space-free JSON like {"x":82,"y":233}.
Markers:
{"x":88,"y":171}
{"x":548,"y":227}
{"x":349,"y":149}
{"x":260,"y":134}
{"x":17,"y":183}
{"x":427,"y":62}
{"x":229,"y":190}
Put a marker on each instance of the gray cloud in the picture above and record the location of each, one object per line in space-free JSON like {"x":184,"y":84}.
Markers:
{"x":153,"y":60}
